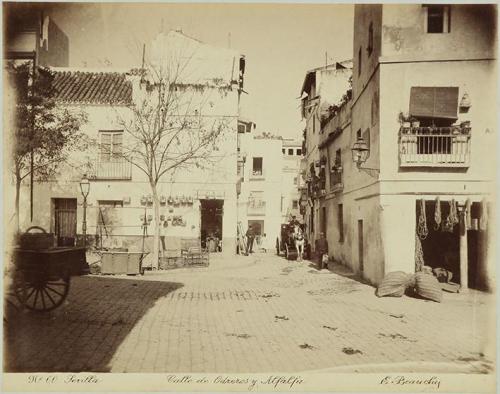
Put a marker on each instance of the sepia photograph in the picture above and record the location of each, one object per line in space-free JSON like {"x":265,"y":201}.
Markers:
{"x":249,"y":196}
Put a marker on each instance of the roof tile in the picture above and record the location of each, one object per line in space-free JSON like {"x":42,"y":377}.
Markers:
{"x":92,"y":87}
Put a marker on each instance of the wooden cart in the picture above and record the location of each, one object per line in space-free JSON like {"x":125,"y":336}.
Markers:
{"x":41,"y":277}
{"x":285,"y":244}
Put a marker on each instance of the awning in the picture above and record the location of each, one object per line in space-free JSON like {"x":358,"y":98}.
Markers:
{"x":434,"y":102}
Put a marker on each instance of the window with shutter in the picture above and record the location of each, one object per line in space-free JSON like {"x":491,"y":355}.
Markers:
{"x":434,"y":102}
{"x":110,"y":146}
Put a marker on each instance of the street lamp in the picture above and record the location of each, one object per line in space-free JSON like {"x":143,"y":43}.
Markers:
{"x":85,"y":189}
{"x":360,"y":152}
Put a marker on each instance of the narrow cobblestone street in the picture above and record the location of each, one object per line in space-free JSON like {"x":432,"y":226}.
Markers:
{"x":248,"y":314}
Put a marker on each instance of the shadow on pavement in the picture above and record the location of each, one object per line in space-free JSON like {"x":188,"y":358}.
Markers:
{"x":85,"y":332}
{"x":346,"y":272}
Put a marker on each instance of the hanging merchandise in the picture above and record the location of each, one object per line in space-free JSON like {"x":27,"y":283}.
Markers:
{"x":452,"y":218}
{"x":483,"y":219}
{"x":419,"y":255}
{"x":422,"y":229}
{"x":437,"y":214}
{"x":468,"y":217}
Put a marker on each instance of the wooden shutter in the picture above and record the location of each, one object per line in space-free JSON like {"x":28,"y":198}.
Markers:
{"x":105,"y":147}
{"x":434,"y":102}
{"x":117,"y":146}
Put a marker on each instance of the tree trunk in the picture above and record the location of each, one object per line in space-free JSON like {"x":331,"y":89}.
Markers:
{"x":16,"y":204}
{"x":156,"y":217}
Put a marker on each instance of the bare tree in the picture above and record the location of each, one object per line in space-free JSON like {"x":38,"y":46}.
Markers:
{"x":168,"y":129}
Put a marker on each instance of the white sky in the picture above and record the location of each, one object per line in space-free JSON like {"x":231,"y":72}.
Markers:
{"x":280,"y":43}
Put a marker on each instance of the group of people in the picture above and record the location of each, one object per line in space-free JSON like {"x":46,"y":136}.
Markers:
{"x":252,"y":239}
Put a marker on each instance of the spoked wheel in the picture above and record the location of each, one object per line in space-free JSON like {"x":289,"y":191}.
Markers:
{"x":41,"y":293}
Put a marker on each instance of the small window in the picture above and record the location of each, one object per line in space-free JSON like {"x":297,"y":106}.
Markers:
{"x":370,"y":39}
{"x":290,"y":152}
{"x":295,"y":204}
{"x":340,"y":221}
{"x":360,"y":61}
{"x":338,"y":158}
{"x":257,"y":166}
{"x":283,"y":150}
{"x":438,"y":19}
{"x":299,"y":152}
{"x":295,"y":180}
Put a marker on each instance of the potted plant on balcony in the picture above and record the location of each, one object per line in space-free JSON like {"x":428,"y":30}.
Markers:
{"x":404,"y":121}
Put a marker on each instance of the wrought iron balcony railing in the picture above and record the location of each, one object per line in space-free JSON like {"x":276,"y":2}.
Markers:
{"x":434,"y":147}
{"x":118,"y":169}
{"x":257,"y":174}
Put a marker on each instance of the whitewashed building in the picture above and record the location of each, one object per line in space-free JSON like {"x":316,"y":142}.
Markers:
{"x":424,"y":112}
{"x":194,"y":203}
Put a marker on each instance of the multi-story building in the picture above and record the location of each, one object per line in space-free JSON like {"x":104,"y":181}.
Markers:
{"x":291,"y":179}
{"x":321,"y":91}
{"x":417,"y":152}
{"x":30,"y":34}
{"x":269,"y":169}
{"x":261,"y":193}
{"x":195,"y":202}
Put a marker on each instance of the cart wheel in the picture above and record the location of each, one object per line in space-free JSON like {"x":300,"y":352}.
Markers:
{"x":43,"y":293}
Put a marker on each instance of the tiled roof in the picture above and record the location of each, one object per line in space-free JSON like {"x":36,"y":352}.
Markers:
{"x":92,"y":87}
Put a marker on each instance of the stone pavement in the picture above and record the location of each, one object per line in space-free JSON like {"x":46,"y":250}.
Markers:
{"x":260,"y":313}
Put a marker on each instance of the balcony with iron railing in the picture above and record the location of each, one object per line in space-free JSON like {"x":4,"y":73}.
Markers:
{"x":112,"y":170}
{"x":257,"y":175}
{"x":435,"y":146}
{"x":256,"y":207}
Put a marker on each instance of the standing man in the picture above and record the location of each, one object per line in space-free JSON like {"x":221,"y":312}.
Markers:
{"x":322,"y":251}
{"x":250,"y":237}
{"x":162,"y":236}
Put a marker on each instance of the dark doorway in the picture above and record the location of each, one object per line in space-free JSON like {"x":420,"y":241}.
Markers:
{"x":65,"y":221}
{"x":441,"y":247}
{"x":212,"y":212}
{"x":323,"y":220}
{"x":257,"y":226}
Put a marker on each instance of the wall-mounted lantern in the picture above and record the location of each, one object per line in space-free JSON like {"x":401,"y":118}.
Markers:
{"x":360,"y":153}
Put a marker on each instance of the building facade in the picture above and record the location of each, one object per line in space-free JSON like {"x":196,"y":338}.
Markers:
{"x":292,"y":182}
{"x":259,"y":203}
{"x":195,"y":201}
{"x":423,"y":108}
{"x":321,"y":92}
